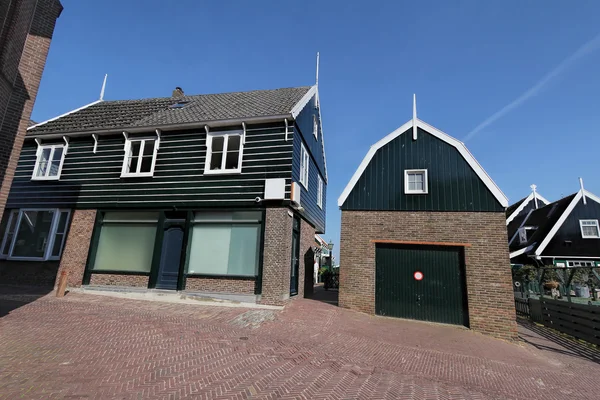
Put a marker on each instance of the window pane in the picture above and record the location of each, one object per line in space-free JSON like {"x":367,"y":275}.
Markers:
{"x":228,"y":216}
{"x":148,"y":148}
{"x":58,"y":151}
{"x":419,"y":186}
{"x":243,"y":250}
{"x":217,"y":143}
{"x":118,"y":216}
{"x":411,"y":177}
{"x":55,"y":163}
{"x":125,"y":247}
{"x":590,"y":230}
{"x":58,"y":239}
{"x":62,"y":222}
{"x":33,"y":234}
{"x":6,"y":248}
{"x":146,"y":164}
{"x":215,"y":160}
{"x":234,"y":143}
{"x":412,"y":185}
{"x":224,"y":249}
{"x":232,"y":160}
{"x":133,"y":157}
{"x":43,"y":164}
{"x":209,"y":251}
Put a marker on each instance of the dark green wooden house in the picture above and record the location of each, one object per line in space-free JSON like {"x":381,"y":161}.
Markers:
{"x":424,"y":234}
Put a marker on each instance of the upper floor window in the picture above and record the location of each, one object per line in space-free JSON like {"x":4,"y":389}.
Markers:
{"x":35,"y":234}
{"x":315,"y":127}
{"x":320,"y":192}
{"x":589,"y":228}
{"x":140,"y":157}
{"x":304,"y":162}
{"x":48,"y":164}
{"x":224,"y":153}
{"x":415,"y":181}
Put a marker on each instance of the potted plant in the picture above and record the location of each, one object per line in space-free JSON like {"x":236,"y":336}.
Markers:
{"x":551,"y":285}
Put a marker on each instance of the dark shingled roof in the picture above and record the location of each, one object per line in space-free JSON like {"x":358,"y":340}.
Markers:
{"x":513,"y":208}
{"x":124,"y":114}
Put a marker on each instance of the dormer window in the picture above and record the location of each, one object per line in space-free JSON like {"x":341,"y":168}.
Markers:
{"x":415,"y":181}
{"x":140,"y":157}
{"x":48,"y":164}
{"x":224,"y":152}
{"x":589,"y":228}
{"x":180,"y":104}
{"x":525,"y":233}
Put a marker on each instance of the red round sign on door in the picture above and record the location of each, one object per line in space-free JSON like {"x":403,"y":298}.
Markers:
{"x":418,"y":275}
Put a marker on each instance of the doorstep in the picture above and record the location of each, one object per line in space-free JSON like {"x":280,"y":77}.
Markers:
{"x":173,"y":296}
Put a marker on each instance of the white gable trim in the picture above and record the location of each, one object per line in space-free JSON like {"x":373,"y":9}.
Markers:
{"x":303,"y":101}
{"x":65,"y":114}
{"x":521,"y":251}
{"x":524,"y":204}
{"x":564,"y":217}
{"x":440,"y":135}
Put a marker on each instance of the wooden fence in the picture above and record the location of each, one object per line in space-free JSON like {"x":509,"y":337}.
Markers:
{"x":578,"y":320}
{"x":522,"y":307}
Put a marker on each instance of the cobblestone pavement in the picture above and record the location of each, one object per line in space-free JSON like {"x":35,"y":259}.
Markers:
{"x":94,"y":347}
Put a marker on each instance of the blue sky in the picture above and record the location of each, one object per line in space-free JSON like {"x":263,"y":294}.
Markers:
{"x":465,"y":60}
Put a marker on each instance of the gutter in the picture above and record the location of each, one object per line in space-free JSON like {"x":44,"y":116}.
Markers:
{"x":167,"y":127}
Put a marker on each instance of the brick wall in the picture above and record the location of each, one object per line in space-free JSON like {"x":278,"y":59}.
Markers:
{"x":489,"y":282}
{"x":119,"y":280}
{"x":75,"y":253}
{"x":220,"y":285}
{"x":28,"y":273}
{"x":277,"y":256}
{"x":24,"y":44}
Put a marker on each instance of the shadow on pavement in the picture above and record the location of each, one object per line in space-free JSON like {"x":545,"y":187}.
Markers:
{"x":329,"y":296}
{"x":559,"y":343}
{"x":13,"y":297}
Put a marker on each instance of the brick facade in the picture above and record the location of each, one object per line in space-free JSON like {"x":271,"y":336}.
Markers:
{"x":277,"y":256}
{"x":220,"y":285}
{"x":140,"y":281}
{"x":489,"y":283}
{"x":26,"y":28}
{"x":76,"y":249}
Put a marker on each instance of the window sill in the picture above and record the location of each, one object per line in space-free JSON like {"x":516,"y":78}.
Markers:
{"x":106,"y":271}
{"x":144,"y":175}
{"x":415,"y":192}
{"x":45,"y":178}
{"x":305,"y":186}
{"x":27,"y":259}
{"x":223,"y":172}
{"x":216,"y":276}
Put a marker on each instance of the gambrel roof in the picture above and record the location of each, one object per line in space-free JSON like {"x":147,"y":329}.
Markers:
{"x":462,"y":149}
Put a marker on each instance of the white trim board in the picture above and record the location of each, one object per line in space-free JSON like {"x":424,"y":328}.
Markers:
{"x":303,"y":101}
{"x":564,"y":217}
{"x":462,"y":149}
{"x":521,"y":251}
{"x":524,"y":204}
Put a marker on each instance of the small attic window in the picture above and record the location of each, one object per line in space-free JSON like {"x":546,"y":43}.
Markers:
{"x":180,"y":104}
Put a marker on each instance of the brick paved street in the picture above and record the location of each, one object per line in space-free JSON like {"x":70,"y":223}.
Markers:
{"x":94,"y":347}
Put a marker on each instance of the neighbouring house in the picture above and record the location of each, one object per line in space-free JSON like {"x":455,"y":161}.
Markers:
{"x":322,"y":256}
{"x":26,"y":29}
{"x":217,"y":194}
{"x":564,"y":233}
{"x":423,"y":234}
{"x":518,"y":212}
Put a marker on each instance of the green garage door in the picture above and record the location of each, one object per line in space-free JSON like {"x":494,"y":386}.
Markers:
{"x":440,"y":294}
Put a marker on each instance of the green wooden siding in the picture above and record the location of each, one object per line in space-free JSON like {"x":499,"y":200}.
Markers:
{"x":453,"y":185}
{"x":93,"y":180}
{"x":439,"y":297}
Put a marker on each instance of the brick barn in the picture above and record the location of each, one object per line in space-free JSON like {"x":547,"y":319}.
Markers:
{"x":424,"y":235}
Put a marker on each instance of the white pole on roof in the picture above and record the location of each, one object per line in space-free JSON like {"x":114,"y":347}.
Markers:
{"x":317,"y":80}
{"x":103,"y":88}
{"x":414,"y":121}
{"x":582,"y":190}
{"x":533,"y":187}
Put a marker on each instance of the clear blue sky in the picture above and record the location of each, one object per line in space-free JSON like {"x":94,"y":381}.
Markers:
{"x":465,"y":60}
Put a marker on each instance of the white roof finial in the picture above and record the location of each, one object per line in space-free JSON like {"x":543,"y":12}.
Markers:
{"x":533,"y":187}
{"x":103,"y":87}
{"x":582,"y":190}
{"x":414,"y":121}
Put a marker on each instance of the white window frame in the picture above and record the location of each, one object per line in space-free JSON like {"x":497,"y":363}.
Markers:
{"x":523,"y":233}
{"x":304,"y":166}
{"x":594,"y":223}
{"x":316,"y":127}
{"x":125,"y":166}
{"x":209,"y":138}
{"x":47,"y":177}
{"x":320,"y":192}
{"x":51,"y":235}
{"x":425,"y":181}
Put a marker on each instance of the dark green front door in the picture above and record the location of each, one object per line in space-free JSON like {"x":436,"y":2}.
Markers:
{"x":440,"y":294}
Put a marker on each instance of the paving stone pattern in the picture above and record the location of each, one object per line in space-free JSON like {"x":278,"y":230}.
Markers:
{"x":93,"y":347}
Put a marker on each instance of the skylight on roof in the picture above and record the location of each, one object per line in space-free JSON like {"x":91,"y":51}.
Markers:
{"x":180,"y":104}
